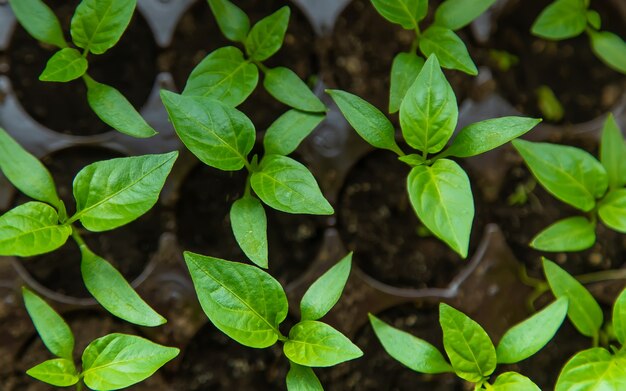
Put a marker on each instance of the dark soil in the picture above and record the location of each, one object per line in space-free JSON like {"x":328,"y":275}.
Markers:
{"x":584,"y":85}
{"x":130,"y":67}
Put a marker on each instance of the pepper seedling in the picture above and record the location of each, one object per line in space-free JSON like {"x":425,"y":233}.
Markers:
{"x":95,"y":28}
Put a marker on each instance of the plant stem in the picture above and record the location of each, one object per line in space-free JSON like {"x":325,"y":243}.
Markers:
{"x":261,"y":66}
{"x":604,"y":275}
{"x":79,"y":385}
{"x":76,"y":236}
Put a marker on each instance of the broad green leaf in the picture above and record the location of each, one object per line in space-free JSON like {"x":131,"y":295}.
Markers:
{"x":60,"y":372}
{"x":612,"y":152}
{"x":609,"y":48}
{"x":367,"y":120}
{"x":247,"y":218}
{"x":284,"y":85}
{"x":325,"y":292}
{"x":512,"y":381}
{"x":442,"y":198}
{"x":232,"y":21}
{"x":243,"y":301}
{"x":489,"y":134}
{"x":406,"y":13}
{"x":570,"y":234}
{"x":114,"y":192}
{"x":561,"y":19}
{"x":31,"y":229}
{"x":52,"y":329}
{"x":594,"y":20}
{"x":568,"y":173}
{"x":404,"y":70}
{"x":583,"y":310}
{"x":97,"y":25}
{"x":39,"y":20}
{"x":593,"y":370}
{"x":267,"y":35}
{"x":219,"y":135}
{"x":301,"y":378}
{"x":223,"y":75}
{"x":288,"y":186}
{"x":449,"y":48}
{"x":65,"y":65}
{"x":114,"y":293}
{"x":116,"y":111}
{"x":413,"y":352}
{"x":316,"y":344}
{"x":468,"y":346}
{"x":428,"y":113}
{"x":612,"y":209}
{"x":286,"y":133}
{"x":118,"y":360}
{"x":456,"y":14}
{"x":26,"y":172}
{"x":531,"y":335}
{"x":619,"y":317}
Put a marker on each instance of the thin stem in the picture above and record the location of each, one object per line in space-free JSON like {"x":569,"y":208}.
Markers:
{"x":604,"y":275}
{"x":595,"y":341}
{"x":79,"y":385}
{"x":76,"y":236}
{"x":247,"y":192}
{"x":261,"y":66}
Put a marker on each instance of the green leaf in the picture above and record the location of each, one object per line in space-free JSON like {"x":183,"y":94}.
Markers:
{"x":561,"y":19}
{"x":619,"y":317}
{"x":548,"y":103}
{"x":288,"y":186}
{"x":65,"y":65}
{"x":325,"y":292}
{"x":114,"y":192}
{"x":367,"y":120}
{"x":456,"y":14}
{"x":489,"y":134}
{"x":247,"y":218}
{"x":97,"y":25}
{"x":593,"y":369}
{"x":583,"y":310}
{"x":468,"y":346}
{"x":594,"y":20}
{"x":570,"y":234}
{"x":449,"y":48}
{"x":442,"y":198}
{"x":116,"y":111}
{"x":412,"y":159}
{"x":59,"y":372}
{"x":52,"y":329}
{"x":568,"y":173}
{"x":609,"y":48}
{"x":118,"y":360}
{"x":531,"y":335}
{"x":219,"y":135}
{"x":232,"y":21}
{"x":316,"y":344}
{"x":413,"y":352}
{"x":428,"y":113}
{"x":26,"y":172}
{"x":612,"y":152}
{"x":267,"y":35}
{"x":512,"y":381}
{"x":286,"y":133}
{"x":243,"y":301}
{"x":31,"y":229}
{"x":284,"y":85}
{"x":223,"y":75}
{"x":612,"y":209}
{"x":114,"y":293}
{"x":39,"y":20}
{"x":301,"y":378}
{"x":404,"y":70}
{"x":406,"y":13}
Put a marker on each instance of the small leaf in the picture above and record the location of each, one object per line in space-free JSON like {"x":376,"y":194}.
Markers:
{"x":594,"y":20}
{"x":39,"y":20}
{"x":548,"y":103}
{"x":429,"y":113}
{"x":52,"y":329}
{"x":583,"y":310}
{"x":219,"y":135}
{"x":593,"y":369}
{"x":118,"y":360}
{"x":232,"y":21}
{"x":244,"y":302}
{"x":568,"y":173}
{"x":284,"y":85}
{"x":114,"y":192}
{"x":531,"y":335}
{"x":609,"y":48}
{"x":413,"y":352}
{"x":456,"y":14}
{"x":449,"y":48}
{"x":404,"y":70}
{"x":301,"y":378}
{"x":59,"y":372}
{"x":267,"y":35}
{"x":65,"y":65}
{"x":114,"y":293}
{"x":224,"y":75}
{"x":612,"y":210}
{"x":97,"y":25}
{"x":561,"y":19}
{"x":316,"y":344}
{"x":288,"y":186}
{"x":249,"y":224}
{"x":406,"y":13}
{"x":31,"y":229}
{"x":512,"y":381}
{"x":325,"y":292}
{"x":619,"y":317}
{"x":612,"y":152}
{"x":116,"y":111}
{"x":286,"y":133}
{"x":412,"y":159}
{"x":570,"y":234}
